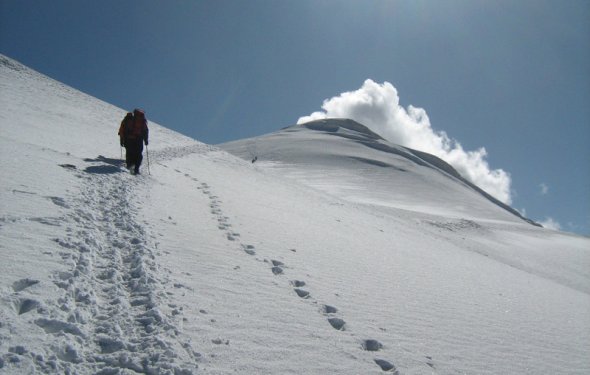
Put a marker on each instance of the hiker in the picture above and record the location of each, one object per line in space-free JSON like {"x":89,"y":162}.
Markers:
{"x":133,"y":133}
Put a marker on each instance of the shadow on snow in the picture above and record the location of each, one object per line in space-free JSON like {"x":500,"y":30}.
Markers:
{"x":106,"y":165}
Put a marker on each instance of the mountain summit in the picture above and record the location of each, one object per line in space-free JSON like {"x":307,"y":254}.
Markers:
{"x":348,"y":160}
{"x":333,"y":253}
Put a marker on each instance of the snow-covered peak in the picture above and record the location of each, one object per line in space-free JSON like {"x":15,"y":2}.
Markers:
{"x":346,"y":159}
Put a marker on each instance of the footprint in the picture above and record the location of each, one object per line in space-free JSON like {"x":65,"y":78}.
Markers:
{"x":298,"y":283}
{"x":337,"y":323}
{"x":249,"y":249}
{"x":386,"y":365}
{"x":372,"y":345}
{"x":329,"y":309}
{"x":25,"y":305}
{"x":22,"y":284}
{"x":277,"y":268}
{"x":302,"y":293}
{"x":277,"y":263}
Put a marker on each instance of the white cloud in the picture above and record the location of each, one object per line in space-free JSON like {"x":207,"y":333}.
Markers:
{"x":544,"y":188}
{"x":550,"y":223}
{"x":377,"y":106}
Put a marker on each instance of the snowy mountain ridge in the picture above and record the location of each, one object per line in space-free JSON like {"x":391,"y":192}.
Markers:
{"x":351,"y":151}
{"x":361,"y":134}
{"x":326,"y":256}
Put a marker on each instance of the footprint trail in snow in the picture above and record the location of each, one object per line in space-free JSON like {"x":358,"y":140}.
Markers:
{"x":277,"y":267}
{"x":112,"y":314}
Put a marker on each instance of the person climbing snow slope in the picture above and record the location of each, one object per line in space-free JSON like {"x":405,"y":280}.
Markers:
{"x":133,"y":134}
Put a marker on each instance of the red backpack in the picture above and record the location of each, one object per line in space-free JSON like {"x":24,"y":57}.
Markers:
{"x":136,"y":127}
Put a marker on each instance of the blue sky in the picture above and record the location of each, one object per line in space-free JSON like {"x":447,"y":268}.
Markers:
{"x":510,"y":76}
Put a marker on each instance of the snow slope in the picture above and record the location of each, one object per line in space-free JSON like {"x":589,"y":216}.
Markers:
{"x":212,"y":264}
{"x":346,"y":159}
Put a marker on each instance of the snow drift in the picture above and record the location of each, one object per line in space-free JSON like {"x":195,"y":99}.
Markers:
{"x":213,"y":264}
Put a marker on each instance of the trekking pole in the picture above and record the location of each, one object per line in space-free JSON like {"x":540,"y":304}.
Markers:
{"x":147,"y":152}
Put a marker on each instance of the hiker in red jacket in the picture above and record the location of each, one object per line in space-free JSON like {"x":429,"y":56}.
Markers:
{"x":133,"y":133}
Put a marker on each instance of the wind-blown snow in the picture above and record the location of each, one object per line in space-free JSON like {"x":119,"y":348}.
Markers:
{"x":212,"y":264}
{"x":377,"y":106}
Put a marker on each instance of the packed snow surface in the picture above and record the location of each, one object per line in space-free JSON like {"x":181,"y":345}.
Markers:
{"x":328,"y":255}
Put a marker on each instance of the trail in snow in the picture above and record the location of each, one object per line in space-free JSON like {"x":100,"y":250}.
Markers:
{"x":278,"y":268}
{"x":113,"y":313}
